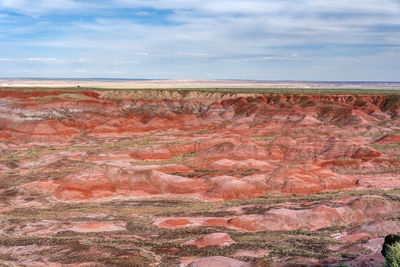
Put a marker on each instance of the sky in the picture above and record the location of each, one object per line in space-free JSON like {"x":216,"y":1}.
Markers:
{"x":322,"y":40}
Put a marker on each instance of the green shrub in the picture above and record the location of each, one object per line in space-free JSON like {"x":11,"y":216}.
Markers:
{"x":393,"y":255}
{"x":392,"y":102}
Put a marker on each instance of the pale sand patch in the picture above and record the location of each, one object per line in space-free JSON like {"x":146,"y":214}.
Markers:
{"x":94,"y":227}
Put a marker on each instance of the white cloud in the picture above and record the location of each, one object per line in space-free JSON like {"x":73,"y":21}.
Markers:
{"x":40,"y":7}
{"x":142,"y":54}
{"x":193,"y":37}
{"x":46,"y":60}
{"x":39,"y":59}
{"x":144,"y":13}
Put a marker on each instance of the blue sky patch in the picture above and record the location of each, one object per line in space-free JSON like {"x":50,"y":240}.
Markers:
{"x":254,"y":39}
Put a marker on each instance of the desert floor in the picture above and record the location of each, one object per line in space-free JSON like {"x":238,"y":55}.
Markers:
{"x":111,"y":177}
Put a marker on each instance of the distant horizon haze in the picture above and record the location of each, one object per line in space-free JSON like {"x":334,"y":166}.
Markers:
{"x":187,"y":80}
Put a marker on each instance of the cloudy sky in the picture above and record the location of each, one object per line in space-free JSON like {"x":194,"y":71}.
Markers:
{"x":355,"y":40}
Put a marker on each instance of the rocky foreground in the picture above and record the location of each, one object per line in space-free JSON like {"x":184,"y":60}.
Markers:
{"x":143,"y":178}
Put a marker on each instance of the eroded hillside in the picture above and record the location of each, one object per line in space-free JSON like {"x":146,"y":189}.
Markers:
{"x":112,"y":177}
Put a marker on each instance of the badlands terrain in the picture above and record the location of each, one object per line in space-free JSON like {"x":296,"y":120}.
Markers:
{"x":108,"y":177}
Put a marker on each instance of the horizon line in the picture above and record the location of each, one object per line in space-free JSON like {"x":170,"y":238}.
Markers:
{"x":183,"y":80}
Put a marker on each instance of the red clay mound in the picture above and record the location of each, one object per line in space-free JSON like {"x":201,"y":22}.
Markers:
{"x":227,"y":187}
{"x":214,"y":239}
{"x":341,"y":164}
{"x":354,"y":210}
{"x":366,"y":153}
{"x":105,"y":181}
{"x":330,"y":148}
{"x":227,"y":164}
{"x":5,"y":136}
{"x":308,"y":179}
{"x":19,"y":94}
{"x":161,"y":152}
{"x":388,"y":139}
{"x":102,"y":181}
{"x":174,"y":223}
{"x":336,"y":213}
{"x":117,"y":127}
{"x":43,"y":128}
{"x":229,"y":150}
{"x":218,"y":261}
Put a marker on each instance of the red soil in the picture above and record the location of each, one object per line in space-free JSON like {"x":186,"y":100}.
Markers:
{"x":108,"y":146}
{"x":214,"y":239}
{"x":240,"y":134}
{"x":389,"y":139}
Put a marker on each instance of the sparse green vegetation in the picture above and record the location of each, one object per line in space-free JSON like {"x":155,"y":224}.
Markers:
{"x":141,"y":233}
{"x":393,"y":255}
{"x":182,"y":90}
{"x":374,"y":172}
{"x":392,"y":102}
{"x":343,"y":265}
{"x":275,"y":198}
{"x":385,"y":146}
{"x":366,"y":135}
{"x":266,"y":138}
